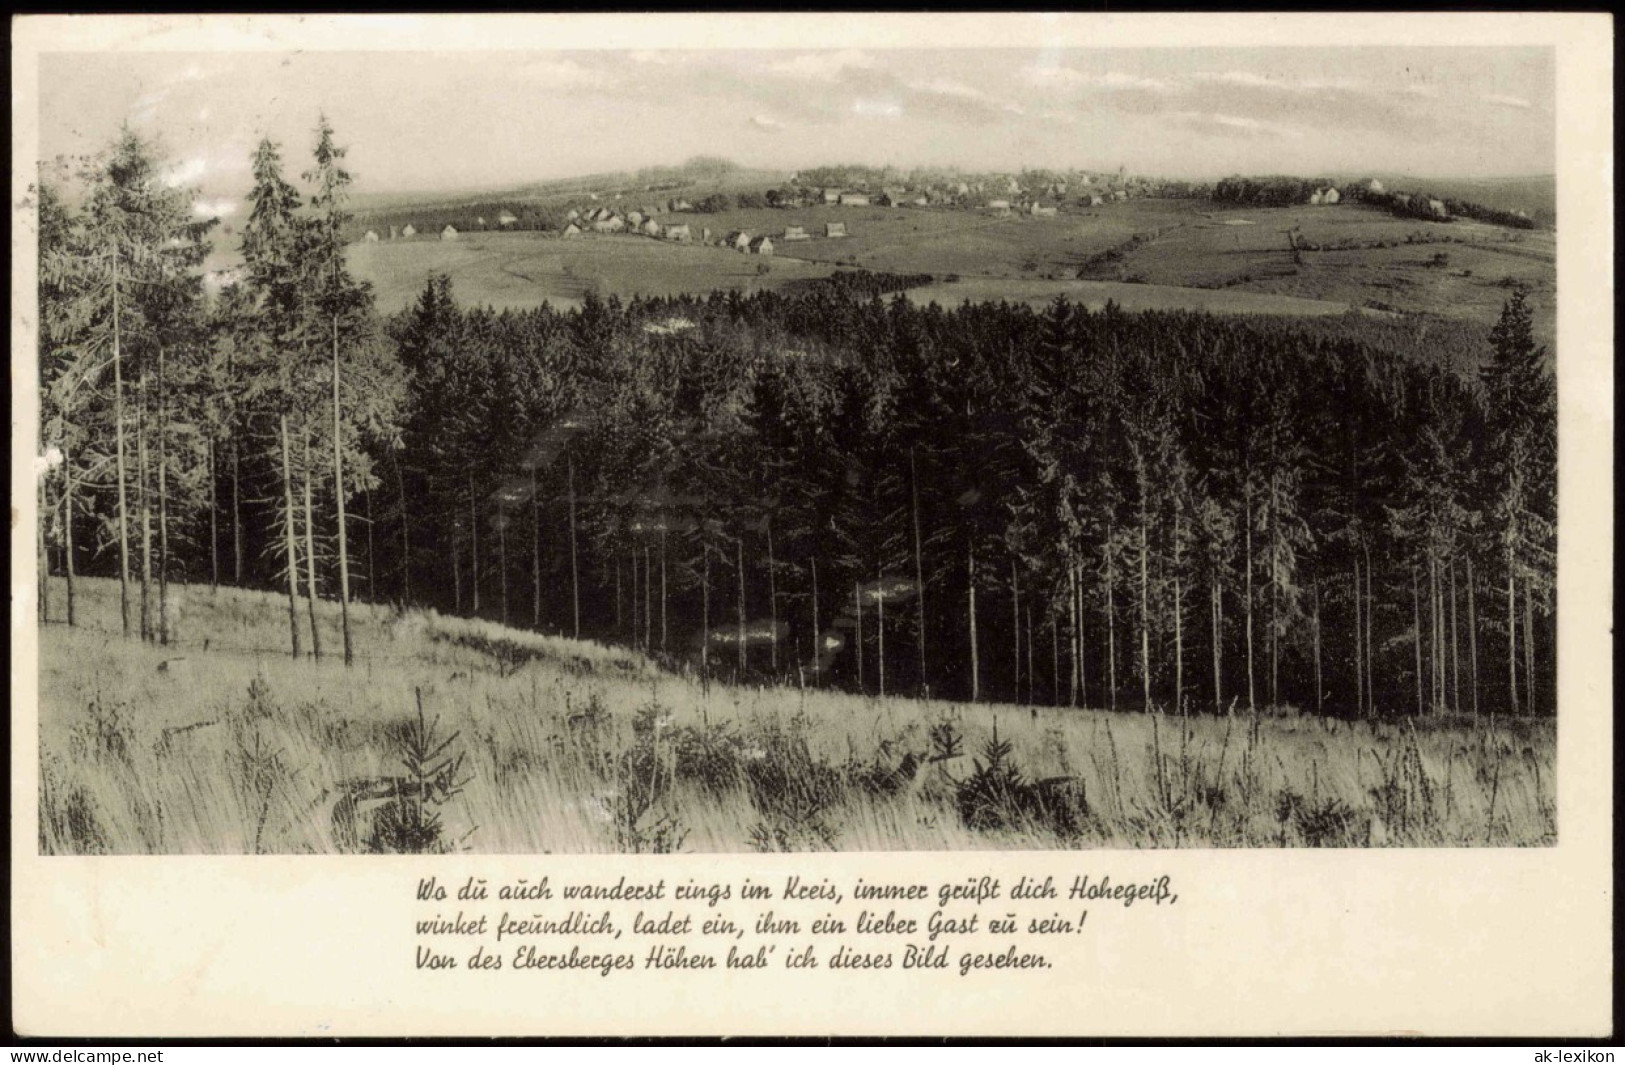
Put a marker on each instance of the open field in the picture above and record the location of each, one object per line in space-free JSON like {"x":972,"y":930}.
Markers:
{"x":1161,"y":254}
{"x":522,"y":270}
{"x":222,"y":744}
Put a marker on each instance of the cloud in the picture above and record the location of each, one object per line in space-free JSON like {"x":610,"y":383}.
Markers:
{"x":1233,"y":126}
{"x":1501,"y":100}
{"x":214,"y":208}
{"x":822,"y":66}
{"x":877,"y":108}
{"x":562,"y":74}
{"x":1069,"y":79}
{"x":186,"y":172}
{"x":766,"y":123}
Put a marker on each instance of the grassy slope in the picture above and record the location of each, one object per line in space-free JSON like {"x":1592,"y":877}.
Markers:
{"x":275,"y":734}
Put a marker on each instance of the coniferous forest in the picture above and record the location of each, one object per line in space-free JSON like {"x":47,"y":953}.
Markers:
{"x":825,"y":488}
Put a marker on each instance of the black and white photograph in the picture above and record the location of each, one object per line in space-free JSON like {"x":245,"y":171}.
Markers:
{"x":636,"y":450}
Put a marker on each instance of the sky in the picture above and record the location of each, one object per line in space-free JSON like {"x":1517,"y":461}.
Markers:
{"x":459,"y":120}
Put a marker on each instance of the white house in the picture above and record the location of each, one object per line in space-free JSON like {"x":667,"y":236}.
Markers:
{"x":371,"y":237}
{"x":834,"y":229}
{"x":409,"y":230}
{"x":449,"y":233}
{"x":507,"y":218}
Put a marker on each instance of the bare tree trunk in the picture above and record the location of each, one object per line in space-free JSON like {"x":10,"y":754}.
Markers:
{"x":662,"y":589}
{"x":648,"y":601}
{"x":919,"y":563}
{"x":236,"y":517}
{"x":502,"y":563}
{"x":535,"y":552}
{"x":1275,"y":594}
{"x":705,"y":609}
{"x":1015,"y":627}
{"x":857,"y":598}
{"x":1055,"y":657}
{"x":1083,"y":642}
{"x":1111,"y":624}
{"x":1416,"y":600}
{"x":739,"y":554}
{"x":1359,"y":643}
{"x":1072,"y":631}
{"x":289,"y":541}
{"x":474,"y":546}
{"x":1528,"y":648}
{"x":1320,"y":687}
{"x":145,"y":504}
{"x":67,"y":529}
{"x":406,"y":532}
{"x":975,"y":660}
{"x":880,"y":629}
{"x":123,"y":477}
{"x":1512,"y":630}
{"x":818,"y":633}
{"x":1179,"y":623}
{"x":457,"y":566}
{"x":338,"y":504}
{"x":1435,"y":659}
{"x":772,"y":602}
{"x":1218,"y":643}
{"x":372,"y":554}
{"x":1145,"y":603}
{"x":214,"y":522}
{"x":310,"y":554}
{"x":575,"y":566}
{"x":1247,"y":583}
{"x":1472,"y":633}
{"x":620,"y":606}
{"x":163,"y":503}
{"x":1370,"y":622}
{"x":1455,"y":645}
{"x":1031,"y":676}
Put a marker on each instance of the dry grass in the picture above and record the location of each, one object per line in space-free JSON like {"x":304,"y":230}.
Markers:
{"x":574,"y":747}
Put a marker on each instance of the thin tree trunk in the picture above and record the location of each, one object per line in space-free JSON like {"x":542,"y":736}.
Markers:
{"x":818,"y":633}
{"x":474,"y":546}
{"x":338,"y":505}
{"x":1455,"y":645}
{"x":772,"y":602}
{"x":145,"y":504}
{"x":289,"y":541}
{"x":1145,"y":603}
{"x":1275,"y":595}
{"x":857,"y":599}
{"x":123,"y":477}
{"x":535,"y":552}
{"x":1083,"y":643}
{"x":406,"y":532}
{"x":739,"y":554}
{"x":457,"y":565}
{"x":67,"y":529}
{"x":1435,"y":659}
{"x":1072,"y":631}
{"x":919,"y":563}
{"x":372,"y":554}
{"x":663,"y":589}
{"x":880,"y":630}
{"x":1528,"y":648}
{"x":42,"y":588}
{"x":214,"y":522}
{"x":1472,"y":633}
{"x":1247,"y":583}
{"x":236,"y":517}
{"x":1512,"y":631}
{"x":975,"y":660}
{"x":1111,"y":624}
{"x":1416,"y":600}
{"x":1370,"y":623}
{"x":1179,"y":622}
{"x":620,"y":605}
{"x":502,"y":563}
{"x":1320,"y":687}
{"x":648,"y":601}
{"x":1218,"y":644}
{"x":575,"y":568}
{"x":1015,"y":627}
{"x":705,"y":609}
{"x":1055,"y":657}
{"x":163,"y":503}
{"x":310,"y":554}
{"x":1359,"y":642}
{"x":1031,"y":677}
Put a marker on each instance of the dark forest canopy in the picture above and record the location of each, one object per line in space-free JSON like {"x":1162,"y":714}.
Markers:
{"x":985,"y":502}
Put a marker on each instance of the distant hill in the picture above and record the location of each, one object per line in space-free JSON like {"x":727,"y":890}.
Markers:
{"x":1536,"y":194}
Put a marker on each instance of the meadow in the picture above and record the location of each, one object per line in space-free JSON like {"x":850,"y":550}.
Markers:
{"x":457,"y":734}
{"x":1143,"y":254}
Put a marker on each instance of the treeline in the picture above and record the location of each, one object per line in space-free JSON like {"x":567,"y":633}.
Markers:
{"x":1266,"y":191}
{"x":987,"y":502}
